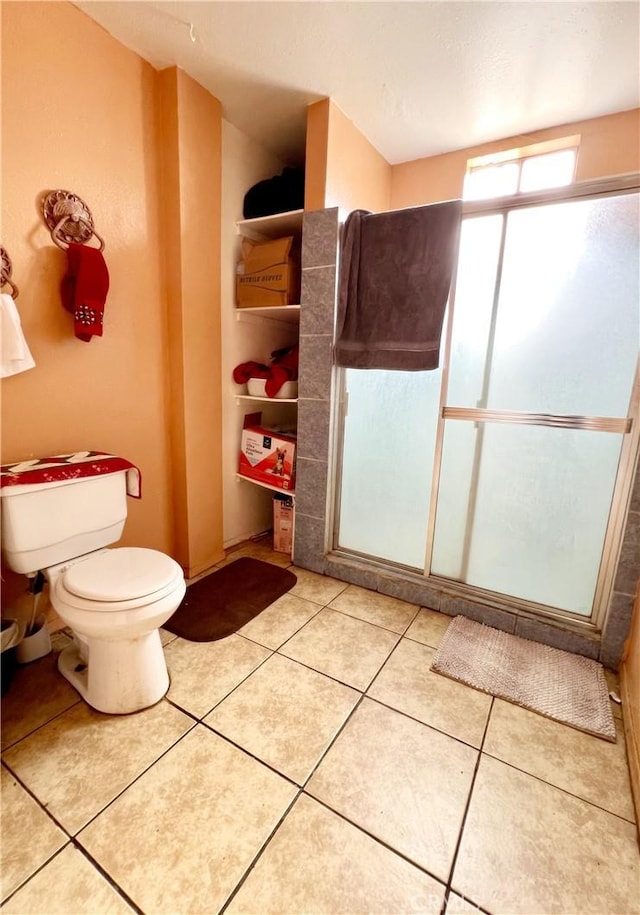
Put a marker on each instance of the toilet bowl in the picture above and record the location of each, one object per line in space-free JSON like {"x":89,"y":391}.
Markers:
{"x":115,"y":601}
{"x":59,"y":516}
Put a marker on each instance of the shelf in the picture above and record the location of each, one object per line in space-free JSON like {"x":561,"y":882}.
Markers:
{"x":282,"y":492}
{"x":267,"y":399}
{"x":275,"y":226}
{"x":278,"y":225}
{"x":285,"y":314}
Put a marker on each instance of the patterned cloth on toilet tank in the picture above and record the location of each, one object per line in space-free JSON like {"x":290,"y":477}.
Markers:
{"x":70,"y":467}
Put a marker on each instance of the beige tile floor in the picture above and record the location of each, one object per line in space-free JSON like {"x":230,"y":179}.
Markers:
{"x":310,"y":763}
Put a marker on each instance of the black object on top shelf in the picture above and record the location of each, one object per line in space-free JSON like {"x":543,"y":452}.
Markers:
{"x":279,"y":194}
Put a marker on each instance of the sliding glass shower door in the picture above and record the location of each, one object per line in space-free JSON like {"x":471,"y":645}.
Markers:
{"x":387,"y":463}
{"x":500,"y":472}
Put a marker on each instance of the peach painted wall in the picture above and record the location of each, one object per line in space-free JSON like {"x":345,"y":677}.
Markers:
{"x":609,"y":146}
{"x":316,"y":147}
{"x":83,"y":113}
{"x":343,"y":169}
{"x":191,"y":151}
{"x":78,"y":114}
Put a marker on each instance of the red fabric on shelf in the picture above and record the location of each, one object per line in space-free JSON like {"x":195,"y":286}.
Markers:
{"x":246,"y":370}
{"x":284,"y":367}
{"x":277,"y":377}
{"x":84,"y":290}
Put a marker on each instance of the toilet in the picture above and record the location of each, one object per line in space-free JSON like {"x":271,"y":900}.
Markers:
{"x":59,"y":515}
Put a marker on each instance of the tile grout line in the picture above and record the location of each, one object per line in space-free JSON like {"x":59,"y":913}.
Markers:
{"x":465,"y":814}
{"x":400,"y":635}
{"x":299,"y":629}
{"x":425,"y":724}
{"x":38,"y":727}
{"x":31,"y":794}
{"x":382,"y":666}
{"x":200,"y":720}
{"x":137,"y":778}
{"x":549,"y":784}
{"x":107,"y":876}
{"x":266,"y":647}
{"x":184,"y":711}
{"x":274,"y":651}
{"x":379,"y":841}
{"x":71,"y":842}
{"x":35,"y":872}
{"x":321,"y":673}
{"x":333,"y":741}
{"x":258,"y":855}
{"x":300,"y":791}
{"x":248,"y":753}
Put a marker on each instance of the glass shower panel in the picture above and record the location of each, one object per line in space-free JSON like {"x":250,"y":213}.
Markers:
{"x":475,"y":290}
{"x":568,"y":318}
{"x":522,"y":510}
{"x":387,"y":463}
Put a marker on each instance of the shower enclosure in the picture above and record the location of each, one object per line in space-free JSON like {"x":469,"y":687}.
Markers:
{"x":505,"y":470}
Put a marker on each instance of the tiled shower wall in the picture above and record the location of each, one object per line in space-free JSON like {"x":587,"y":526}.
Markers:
{"x":315,"y":431}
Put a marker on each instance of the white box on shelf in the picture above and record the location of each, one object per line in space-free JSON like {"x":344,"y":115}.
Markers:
{"x":256,"y":388}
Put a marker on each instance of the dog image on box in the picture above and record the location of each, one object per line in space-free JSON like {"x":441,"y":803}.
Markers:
{"x":279,"y":467}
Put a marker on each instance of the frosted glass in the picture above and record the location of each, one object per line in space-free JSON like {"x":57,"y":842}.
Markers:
{"x":475,"y":289}
{"x":550,"y":170}
{"x":491,"y":181}
{"x":535,"y":527}
{"x":568,"y":318}
{"x":387,"y":463}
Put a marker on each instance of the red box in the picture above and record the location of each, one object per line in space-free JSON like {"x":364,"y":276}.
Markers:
{"x":267,"y":455}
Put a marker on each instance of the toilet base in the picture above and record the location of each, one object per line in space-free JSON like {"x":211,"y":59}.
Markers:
{"x":118,"y":677}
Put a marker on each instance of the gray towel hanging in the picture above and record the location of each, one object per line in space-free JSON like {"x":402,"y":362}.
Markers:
{"x":395,"y":274}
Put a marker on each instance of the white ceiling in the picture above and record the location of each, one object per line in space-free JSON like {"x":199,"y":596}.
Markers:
{"x":417,"y":78}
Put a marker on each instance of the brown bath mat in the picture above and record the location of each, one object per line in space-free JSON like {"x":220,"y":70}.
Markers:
{"x":220,"y":603}
{"x":554,"y":683}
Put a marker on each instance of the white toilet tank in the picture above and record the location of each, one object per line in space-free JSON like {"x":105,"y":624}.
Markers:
{"x":47,"y":523}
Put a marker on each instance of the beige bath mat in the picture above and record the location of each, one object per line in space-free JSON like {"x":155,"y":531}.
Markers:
{"x":555,"y":683}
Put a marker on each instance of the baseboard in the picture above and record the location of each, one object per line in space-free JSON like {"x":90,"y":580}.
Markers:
{"x":632,"y":737}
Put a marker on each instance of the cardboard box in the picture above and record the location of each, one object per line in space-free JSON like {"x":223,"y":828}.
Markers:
{"x":267,"y":455}
{"x":283,"y":524}
{"x":269,"y":273}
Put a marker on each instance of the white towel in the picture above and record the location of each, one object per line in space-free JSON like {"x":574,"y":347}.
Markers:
{"x":14,"y":352}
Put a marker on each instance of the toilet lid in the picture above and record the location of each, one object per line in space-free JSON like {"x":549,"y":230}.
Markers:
{"x":122,"y":574}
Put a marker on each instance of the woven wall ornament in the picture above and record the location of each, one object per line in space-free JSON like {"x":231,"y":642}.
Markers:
{"x":69,"y":219}
{"x":6,"y":268}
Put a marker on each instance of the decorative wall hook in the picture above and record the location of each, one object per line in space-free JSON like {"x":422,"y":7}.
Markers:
{"x":69,"y":219}
{"x":6,"y":268}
